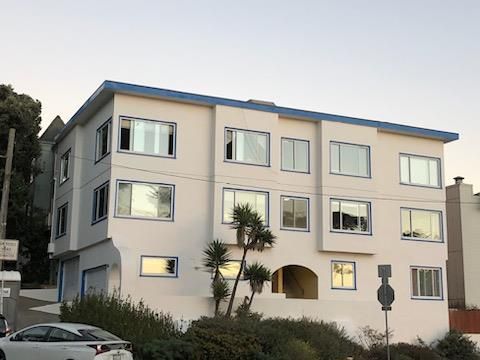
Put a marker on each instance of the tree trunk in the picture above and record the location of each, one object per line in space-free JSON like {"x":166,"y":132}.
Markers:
{"x":234,"y":290}
{"x":217,"y":305}
{"x":251,"y":300}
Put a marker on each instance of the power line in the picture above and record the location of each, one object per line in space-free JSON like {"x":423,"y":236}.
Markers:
{"x":207,"y":179}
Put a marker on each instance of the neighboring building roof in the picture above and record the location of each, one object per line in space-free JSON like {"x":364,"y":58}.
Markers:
{"x":108,"y":88}
{"x":53,"y":130}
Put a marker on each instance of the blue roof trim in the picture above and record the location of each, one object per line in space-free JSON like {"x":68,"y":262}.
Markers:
{"x":114,"y":86}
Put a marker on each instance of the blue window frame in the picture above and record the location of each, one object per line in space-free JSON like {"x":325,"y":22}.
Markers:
{"x":350,"y":159}
{"x":418,"y":170}
{"x":344,"y":275}
{"x":247,"y":147}
{"x":295,"y":213}
{"x":259,"y":200}
{"x":295,"y":155}
{"x":159,"y":266}
{"x":422,"y":225}
{"x":426,"y":282}
{"x":350,"y":216}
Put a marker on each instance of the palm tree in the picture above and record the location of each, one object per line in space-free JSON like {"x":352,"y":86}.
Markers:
{"x":252,"y":234}
{"x":221,"y":291}
{"x":215,"y":257}
{"x":256,"y":274}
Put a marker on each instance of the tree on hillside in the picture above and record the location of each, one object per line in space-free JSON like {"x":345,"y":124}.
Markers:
{"x":22,"y":112}
{"x":252,"y":234}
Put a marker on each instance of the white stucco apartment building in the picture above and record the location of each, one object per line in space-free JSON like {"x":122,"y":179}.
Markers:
{"x":147,"y":177}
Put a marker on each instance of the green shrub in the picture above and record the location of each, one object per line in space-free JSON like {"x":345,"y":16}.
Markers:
{"x":456,"y":346}
{"x":171,"y":349}
{"x":224,"y":339}
{"x":403,"y":351}
{"x":131,"y":321}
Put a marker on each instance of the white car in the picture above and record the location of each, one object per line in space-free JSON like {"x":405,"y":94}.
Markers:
{"x":64,"y":341}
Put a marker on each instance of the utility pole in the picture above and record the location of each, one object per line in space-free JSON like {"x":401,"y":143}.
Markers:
{"x":4,"y":204}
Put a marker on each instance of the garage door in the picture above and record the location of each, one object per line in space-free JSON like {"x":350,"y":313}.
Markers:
{"x":95,"y":280}
{"x":70,"y":283}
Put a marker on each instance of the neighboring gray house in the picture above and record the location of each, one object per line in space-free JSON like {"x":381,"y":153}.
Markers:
{"x":42,"y":184}
{"x":463,"y":268}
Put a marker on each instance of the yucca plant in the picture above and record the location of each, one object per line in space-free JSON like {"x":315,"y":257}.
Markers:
{"x":215,"y":257}
{"x":252,"y":234}
{"x":257,"y":275}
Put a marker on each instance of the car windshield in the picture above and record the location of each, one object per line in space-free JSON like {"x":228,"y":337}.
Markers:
{"x":97,"y":335}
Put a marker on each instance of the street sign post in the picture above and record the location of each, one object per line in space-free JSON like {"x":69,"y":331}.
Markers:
{"x":8,"y":252}
{"x":386,"y":297}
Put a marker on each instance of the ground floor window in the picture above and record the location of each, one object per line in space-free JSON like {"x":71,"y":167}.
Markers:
{"x":161,"y":266}
{"x":343,"y":275}
{"x":426,"y":282}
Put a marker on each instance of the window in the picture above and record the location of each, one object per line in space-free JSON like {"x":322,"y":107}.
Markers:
{"x":103,"y":141}
{"x":100,"y":203}
{"x":147,"y":137}
{"x":249,"y":147}
{"x":349,"y":159}
{"x":59,"y":335}
{"x":37,"y":334}
{"x":350,"y":216}
{"x":426,"y":283}
{"x":65,"y":167}
{"x":145,"y":200}
{"x":343,"y":275}
{"x":230,"y":270}
{"x":294,"y":213}
{"x":62,"y":220}
{"x":419,"y":170}
{"x":159,"y":266}
{"x":421,"y":224}
{"x":232,"y":198}
{"x":295,"y":155}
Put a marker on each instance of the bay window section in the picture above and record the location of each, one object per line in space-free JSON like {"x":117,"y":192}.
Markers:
{"x":250,"y":147}
{"x":295,"y":155}
{"x":103,"y":141}
{"x":294,"y":213}
{"x":422,"y":225}
{"x":350,"y":216}
{"x":420,"y":170}
{"x":147,"y":137}
{"x":100,"y":203}
{"x":349,"y":159}
{"x":426,"y":283}
{"x":257,"y":200}
{"x":145,"y":200}
{"x":159,"y":266}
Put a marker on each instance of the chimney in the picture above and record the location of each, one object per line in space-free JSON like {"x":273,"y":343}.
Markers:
{"x":458,"y":180}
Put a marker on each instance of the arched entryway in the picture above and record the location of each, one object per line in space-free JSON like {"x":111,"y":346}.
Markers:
{"x":296,"y":282}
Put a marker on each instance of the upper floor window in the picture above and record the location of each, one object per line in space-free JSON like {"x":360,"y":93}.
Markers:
{"x":62,"y":212}
{"x":147,"y":137}
{"x":349,"y":159}
{"x":145,"y":200}
{"x":65,"y":167}
{"x":161,"y":266}
{"x":420,"y":170}
{"x":232,"y":198}
{"x":343,"y":275}
{"x":100,"y":203}
{"x":421,"y":224}
{"x":350,"y":216}
{"x":295,"y":155}
{"x":103,"y":141}
{"x":250,"y":147}
{"x":426,"y":283}
{"x":294,"y":213}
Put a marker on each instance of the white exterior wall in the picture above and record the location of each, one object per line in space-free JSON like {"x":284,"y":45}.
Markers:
{"x":200,"y":173}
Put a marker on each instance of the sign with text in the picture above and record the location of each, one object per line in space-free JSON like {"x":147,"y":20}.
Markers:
{"x":8,"y":250}
{"x":6,"y":292}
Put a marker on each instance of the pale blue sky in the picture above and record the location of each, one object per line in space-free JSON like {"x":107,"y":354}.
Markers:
{"x":411,"y":62}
